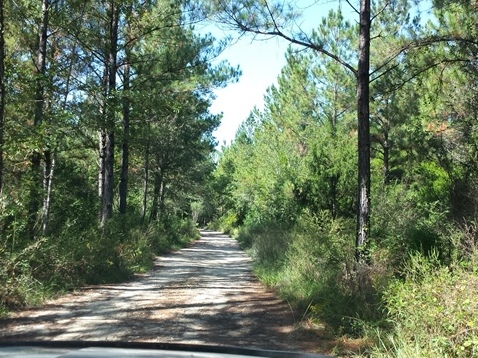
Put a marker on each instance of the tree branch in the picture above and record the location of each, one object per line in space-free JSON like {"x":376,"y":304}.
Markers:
{"x":234,"y":22}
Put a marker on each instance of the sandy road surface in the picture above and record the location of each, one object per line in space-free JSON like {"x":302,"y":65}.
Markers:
{"x":204,"y":294}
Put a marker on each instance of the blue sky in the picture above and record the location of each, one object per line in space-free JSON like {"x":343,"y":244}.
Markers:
{"x":261,"y":61}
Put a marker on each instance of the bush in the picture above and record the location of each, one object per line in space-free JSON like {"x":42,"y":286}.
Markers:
{"x":17,"y":286}
{"x":174,"y":233}
{"x":266,"y":242}
{"x":321,"y":274}
{"x":433,"y":310}
{"x":227,"y":223}
{"x":404,"y":222}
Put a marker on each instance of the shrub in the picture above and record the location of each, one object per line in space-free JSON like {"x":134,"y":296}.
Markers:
{"x":321,"y":274}
{"x":433,"y":310}
{"x":311,"y":264}
{"x":82,"y":254}
{"x":267,"y":242}
{"x":174,"y":233}
{"x":228,"y":222}
{"x":404,"y":222}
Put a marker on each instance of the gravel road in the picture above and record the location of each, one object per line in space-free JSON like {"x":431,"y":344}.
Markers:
{"x":203,"y":294}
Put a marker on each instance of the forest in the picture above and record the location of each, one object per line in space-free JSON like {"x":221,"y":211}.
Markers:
{"x":105,"y":136}
{"x":355,"y":189}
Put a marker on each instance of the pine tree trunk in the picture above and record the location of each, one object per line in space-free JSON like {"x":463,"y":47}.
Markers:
{"x":386,"y":158}
{"x":363,"y":200}
{"x":101,"y":162}
{"x":37,"y":180}
{"x":108,"y":179}
{"x":145,"y":180}
{"x":47,"y":187}
{"x":158,"y":180}
{"x":2,"y":91}
{"x":123,"y":185}
{"x":108,"y":193}
{"x":162,"y":192}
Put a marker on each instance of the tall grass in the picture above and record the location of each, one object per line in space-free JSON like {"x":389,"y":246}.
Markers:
{"x":415,"y":298}
{"x":86,"y":255}
{"x":311,"y":264}
{"x":433,"y":310}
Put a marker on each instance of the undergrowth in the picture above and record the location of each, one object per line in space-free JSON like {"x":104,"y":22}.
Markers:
{"x":416,"y":297}
{"x":80,"y":256}
{"x":433,"y":311}
{"x":311,"y":265}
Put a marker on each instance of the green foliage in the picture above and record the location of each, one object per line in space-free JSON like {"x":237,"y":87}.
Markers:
{"x":287,"y":184}
{"x":433,"y":310}
{"x":18,"y":285}
{"x":311,"y":264}
{"x":87,"y":255}
{"x":151,"y":90}
{"x":175,"y":234}
{"x":267,"y":242}
{"x":228,"y":222}
{"x":405,"y":221}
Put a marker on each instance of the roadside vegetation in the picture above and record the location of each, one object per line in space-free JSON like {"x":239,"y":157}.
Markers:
{"x":83,"y":255}
{"x":286,"y":187}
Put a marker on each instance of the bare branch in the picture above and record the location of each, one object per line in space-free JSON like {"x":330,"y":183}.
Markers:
{"x":380,"y":12}
{"x":425,"y":69}
{"x":417,"y":44}
{"x":353,"y":7}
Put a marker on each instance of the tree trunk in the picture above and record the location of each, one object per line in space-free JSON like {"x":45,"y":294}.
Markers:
{"x":123,"y":185}
{"x":108,"y":193}
{"x":47,"y":187}
{"x":50,"y":153}
{"x":146,"y":179}
{"x":101,"y":164}
{"x":363,"y":195}
{"x":111,"y":58}
{"x":162,"y":192}
{"x":334,"y":181}
{"x":158,"y":182}
{"x":37,"y":180}
{"x":386,"y":158}
{"x":2,"y":91}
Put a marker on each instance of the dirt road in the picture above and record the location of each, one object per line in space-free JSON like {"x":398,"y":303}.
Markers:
{"x":203,"y":294}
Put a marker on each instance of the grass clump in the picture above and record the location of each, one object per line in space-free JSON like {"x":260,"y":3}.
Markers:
{"x":433,"y":310}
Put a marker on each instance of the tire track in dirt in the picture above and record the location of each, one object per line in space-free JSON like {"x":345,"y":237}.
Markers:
{"x":203,"y":294}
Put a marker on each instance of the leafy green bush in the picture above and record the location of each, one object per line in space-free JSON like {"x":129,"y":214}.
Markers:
{"x":433,"y":310}
{"x":321,"y":275}
{"x":174,"y":233}
{"x":17,"y":285}
{"x":267,"y":242}
{"x":228,"y":222}
{"x":404,"y":222}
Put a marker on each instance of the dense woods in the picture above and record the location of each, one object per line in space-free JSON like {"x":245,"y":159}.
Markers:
{"x":355,"y":188}
{"x":106,"y":138}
